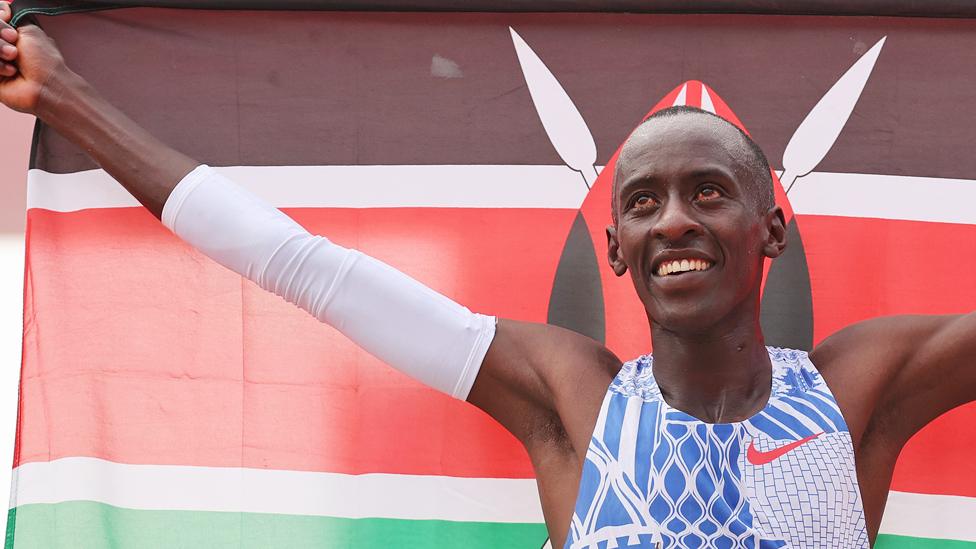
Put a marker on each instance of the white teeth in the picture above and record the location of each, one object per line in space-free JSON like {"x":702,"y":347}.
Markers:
{"x":682,"y":266}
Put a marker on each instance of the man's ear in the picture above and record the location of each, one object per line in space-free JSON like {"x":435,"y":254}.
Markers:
{"x":613,"y":252}
{"x":775,"y":232}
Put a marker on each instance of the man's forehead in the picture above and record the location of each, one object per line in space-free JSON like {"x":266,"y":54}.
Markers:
{"x":681,"y":138}
{"x":686,"y":127}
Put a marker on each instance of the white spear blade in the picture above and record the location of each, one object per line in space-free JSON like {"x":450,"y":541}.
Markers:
{"x":820,"y":129}
{"x":561,"y":119}
{"x":682,"y":98}
{"x":706,"y":101}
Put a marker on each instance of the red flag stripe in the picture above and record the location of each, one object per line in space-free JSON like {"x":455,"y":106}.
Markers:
{"x":138,"y":392}
{"x":170,"y":390}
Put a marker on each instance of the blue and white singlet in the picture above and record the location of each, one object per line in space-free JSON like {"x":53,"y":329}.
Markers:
{"x":658,"y":477}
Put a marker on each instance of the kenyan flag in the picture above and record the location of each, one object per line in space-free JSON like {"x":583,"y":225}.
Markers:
{"x":165,"y":402}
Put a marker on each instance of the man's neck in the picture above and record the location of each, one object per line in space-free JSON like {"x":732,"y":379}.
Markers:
{"x":720,"y":376}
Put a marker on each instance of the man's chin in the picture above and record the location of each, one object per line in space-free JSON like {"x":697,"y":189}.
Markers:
{"x":685,"y":320}
{"x":687,"y":317}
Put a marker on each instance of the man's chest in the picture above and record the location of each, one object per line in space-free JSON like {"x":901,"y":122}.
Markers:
{"x":656,"y":476}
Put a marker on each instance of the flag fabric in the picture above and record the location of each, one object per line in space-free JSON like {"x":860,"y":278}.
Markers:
{"x":166,"y":402}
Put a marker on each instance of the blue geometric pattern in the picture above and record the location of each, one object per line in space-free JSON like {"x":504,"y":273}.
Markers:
{"x":658,"y":477}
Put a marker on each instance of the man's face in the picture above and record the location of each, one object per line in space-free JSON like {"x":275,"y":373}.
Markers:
{"x":688,"y":227}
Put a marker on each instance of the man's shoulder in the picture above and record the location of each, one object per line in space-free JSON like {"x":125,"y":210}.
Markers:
{"x":578,"y":352}
{"x":849,"y":359}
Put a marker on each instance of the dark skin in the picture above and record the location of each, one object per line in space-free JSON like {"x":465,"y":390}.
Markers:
{"x":681,"y":193}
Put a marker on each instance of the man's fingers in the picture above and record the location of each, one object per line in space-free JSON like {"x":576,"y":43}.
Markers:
{"x":7,"y":51}
{"x":5,"y":12}
{"x":8,"y":33}
{"x":6,"y":69}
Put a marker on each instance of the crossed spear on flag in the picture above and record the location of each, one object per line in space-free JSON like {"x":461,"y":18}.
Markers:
{"x":810,"y":143}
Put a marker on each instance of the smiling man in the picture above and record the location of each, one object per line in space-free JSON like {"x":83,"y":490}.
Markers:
{"x":715,"y":441}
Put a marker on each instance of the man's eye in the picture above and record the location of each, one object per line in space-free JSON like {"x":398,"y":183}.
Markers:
{"x":643,"y":201}
{"x":708,"y":193}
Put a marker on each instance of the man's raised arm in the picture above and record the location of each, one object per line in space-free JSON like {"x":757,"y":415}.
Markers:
{"x":390,"y":315}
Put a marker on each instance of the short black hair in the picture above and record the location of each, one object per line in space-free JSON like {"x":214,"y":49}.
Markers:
{"x":760,"y":180}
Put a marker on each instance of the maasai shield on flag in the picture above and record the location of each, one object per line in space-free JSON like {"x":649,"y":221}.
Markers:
{"x":165,"y":402}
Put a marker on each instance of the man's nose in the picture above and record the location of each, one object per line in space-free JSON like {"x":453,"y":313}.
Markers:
{"x":676,"y":222}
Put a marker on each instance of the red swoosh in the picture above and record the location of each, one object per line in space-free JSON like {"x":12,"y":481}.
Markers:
{"x":756,"y":457}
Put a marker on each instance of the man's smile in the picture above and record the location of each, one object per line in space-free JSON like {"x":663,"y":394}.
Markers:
{"x":678,"y":266}
{"x":680,"y":263}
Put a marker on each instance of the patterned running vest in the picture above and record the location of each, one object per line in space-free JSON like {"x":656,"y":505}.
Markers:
{"x":656,"y":477}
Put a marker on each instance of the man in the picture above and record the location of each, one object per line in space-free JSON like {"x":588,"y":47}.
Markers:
{"x":715,"y":441}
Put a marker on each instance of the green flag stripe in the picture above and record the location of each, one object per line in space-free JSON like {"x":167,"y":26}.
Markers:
{"x":888,"y":541}
{"x":91,"y":525}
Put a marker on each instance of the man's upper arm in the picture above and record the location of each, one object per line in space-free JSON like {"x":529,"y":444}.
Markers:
{"x":543,"y":382}
{"x":906,"y":370}
{"x":940,"y":373}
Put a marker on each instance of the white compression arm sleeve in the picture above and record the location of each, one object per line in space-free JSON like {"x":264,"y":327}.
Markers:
{"x":392,"y":316}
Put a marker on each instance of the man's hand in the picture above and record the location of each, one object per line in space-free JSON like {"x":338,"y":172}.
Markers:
{"x":34,"y":79}
{"x":28,"y":62}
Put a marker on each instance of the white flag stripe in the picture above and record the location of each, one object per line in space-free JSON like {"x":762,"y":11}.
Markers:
{"x":930,"y":516}
{"x":885,"y":197}
{"x":496,"y":186}
{"x":189,"y":488}
{"x":343,"y":187}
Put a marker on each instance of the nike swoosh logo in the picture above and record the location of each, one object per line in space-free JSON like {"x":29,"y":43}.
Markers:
{"x":756,"y":457}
